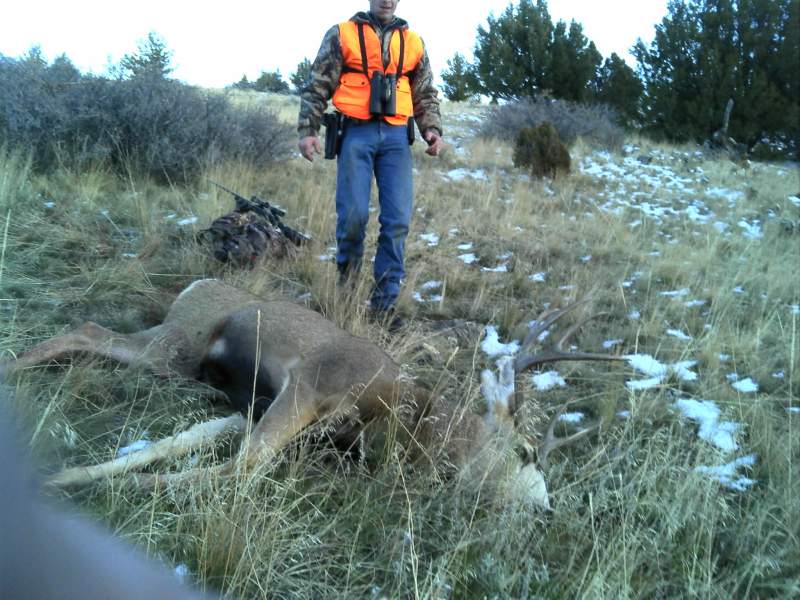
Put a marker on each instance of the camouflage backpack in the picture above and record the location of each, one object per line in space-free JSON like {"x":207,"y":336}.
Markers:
{"x":242,"y":237}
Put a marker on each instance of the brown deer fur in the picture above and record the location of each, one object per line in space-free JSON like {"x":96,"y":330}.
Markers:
{"x":294,"y":367}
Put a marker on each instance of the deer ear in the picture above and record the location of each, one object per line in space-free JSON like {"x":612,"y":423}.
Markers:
{"x":499,"y":391}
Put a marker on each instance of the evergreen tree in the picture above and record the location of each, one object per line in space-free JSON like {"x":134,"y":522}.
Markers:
{"x":271,"y":81}
{"x":512,"y":56}
{"x":574,"y":62}
{"x":34,"y":59}
{"x":459,"y":79}
{"x":522,"y":54}
{"x":708,"y":51}
{"x":301,"y":75}
{"x":63,"y":72}
{"x":619,"y":87}
{"x":151,"y":59}
{"x":243,"y":84}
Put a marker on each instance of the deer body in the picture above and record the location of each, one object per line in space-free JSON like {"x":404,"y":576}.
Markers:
{"x":286,"y":367}
{"x":287,"y":364}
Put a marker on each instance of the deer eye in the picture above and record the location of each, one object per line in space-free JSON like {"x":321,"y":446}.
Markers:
{"x":525,"y":453}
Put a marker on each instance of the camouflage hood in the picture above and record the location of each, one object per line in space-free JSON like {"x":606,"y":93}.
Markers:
{"x":369,"y":19}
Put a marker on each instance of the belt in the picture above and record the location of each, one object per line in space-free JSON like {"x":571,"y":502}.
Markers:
{"x":353,"y":121}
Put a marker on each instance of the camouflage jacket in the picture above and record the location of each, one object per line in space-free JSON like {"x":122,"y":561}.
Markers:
{"x":327,"y":68}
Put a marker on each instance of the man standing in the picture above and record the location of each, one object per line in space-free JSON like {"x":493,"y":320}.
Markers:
{"x":377,"y":72}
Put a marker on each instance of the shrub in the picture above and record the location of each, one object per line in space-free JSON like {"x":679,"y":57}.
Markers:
{"x":595,"y":124}
{"x":542,"y":151}
{"x":152,"y":124}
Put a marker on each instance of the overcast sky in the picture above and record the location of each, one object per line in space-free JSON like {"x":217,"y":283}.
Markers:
{"x":215,"y":43}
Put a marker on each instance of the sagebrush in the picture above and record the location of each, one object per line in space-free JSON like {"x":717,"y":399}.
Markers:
{"x":146,"y":124}
{"x":594,"y":123}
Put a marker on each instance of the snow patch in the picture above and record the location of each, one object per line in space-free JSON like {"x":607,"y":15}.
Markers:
{"x":431,"y":238}
{"x":676,"y":293}
{"x":548,"y":381}
{"x":572,"y":417}
{"x":751,"y":230}
{"x":745,"y":386}
{"x":727,"y":474}
{"x":137,"y":446}
{"x":427,"y":287}
{"x":501,"y":268}
{"x":492,"y":345}
{"x":538,"y":277}
{"x":459,"y":174}
{"x":707,"y":414}
{"x":646,"y":364}
{"x":467,"y":258}
{"x":679,"y":334}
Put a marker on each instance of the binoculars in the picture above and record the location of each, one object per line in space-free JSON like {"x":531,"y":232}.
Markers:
{"x":382,"y":95}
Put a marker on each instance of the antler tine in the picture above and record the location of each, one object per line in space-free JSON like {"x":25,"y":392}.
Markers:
{"x":525,"y":360}
{"x":547,"y":318}
{"x":551,"y":441}
{"x":574,"y":328}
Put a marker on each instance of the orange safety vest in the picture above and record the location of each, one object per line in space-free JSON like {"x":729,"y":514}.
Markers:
{"x":352,"y":95}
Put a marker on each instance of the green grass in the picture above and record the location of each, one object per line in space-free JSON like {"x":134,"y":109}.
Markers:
{"x":632,"y":517}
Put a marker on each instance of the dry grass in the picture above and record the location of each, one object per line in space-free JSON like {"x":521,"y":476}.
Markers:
{"x":632,"y":517}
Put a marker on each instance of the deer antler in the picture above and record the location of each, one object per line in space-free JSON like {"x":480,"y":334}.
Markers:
{"x":551,"y":441}
{"x":501,"y":393}
{"x":527,"y":359}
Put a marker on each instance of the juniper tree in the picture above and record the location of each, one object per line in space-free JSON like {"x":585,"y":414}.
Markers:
{"x":619,"y":87}
{"x":574,"y":61}
{"x":522,"y":54}
{"x":301,"y":75}
{"x":243,"y":84}
{"x":706,"y":52}
{"x":459,"y":79}
{"x":512,"y":55}
{"x":151,"y":59}
{"x":271,"y":81}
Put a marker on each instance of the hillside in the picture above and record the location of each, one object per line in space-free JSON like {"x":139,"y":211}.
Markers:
{"x":689,"y":489}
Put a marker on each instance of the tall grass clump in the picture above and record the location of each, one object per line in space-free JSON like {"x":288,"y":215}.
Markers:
{"x":594,"y":123}
{"x":145,"y":124}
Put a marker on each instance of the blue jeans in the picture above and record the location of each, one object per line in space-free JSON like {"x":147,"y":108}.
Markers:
{"x":379,"y":148}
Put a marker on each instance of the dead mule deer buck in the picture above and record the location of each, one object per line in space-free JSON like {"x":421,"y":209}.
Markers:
{"x":290,"y":367}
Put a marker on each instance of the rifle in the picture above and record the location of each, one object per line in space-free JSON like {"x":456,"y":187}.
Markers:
{"x":272,"y":214}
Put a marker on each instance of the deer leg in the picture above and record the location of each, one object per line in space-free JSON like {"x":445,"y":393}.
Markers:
{"x":297,"y":406}
{"x":90,"y":338}
{"x":175,"y":446}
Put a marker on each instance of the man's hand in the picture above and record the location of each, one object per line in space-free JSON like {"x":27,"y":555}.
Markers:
{"x":309,"y":146}
{"x":435,"y":142}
